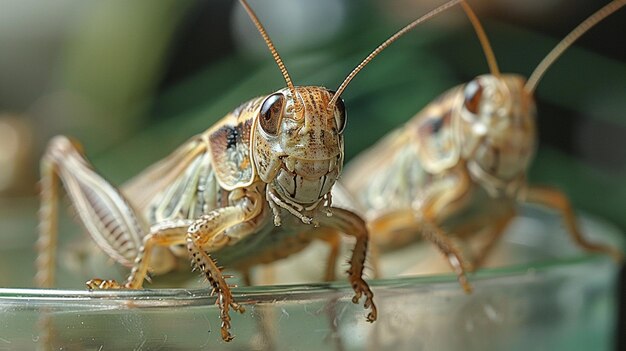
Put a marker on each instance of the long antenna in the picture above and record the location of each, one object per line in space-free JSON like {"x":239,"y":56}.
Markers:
{"x":275,"y":54}
{"x":591,"y":21}
{"x":484,"y":41}
{"x":385,"y":44}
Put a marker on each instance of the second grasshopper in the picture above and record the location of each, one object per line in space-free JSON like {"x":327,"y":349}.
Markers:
{"x":459,"y":166}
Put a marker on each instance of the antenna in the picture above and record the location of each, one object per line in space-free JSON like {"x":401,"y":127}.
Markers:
{"x":385,"y":44}
{"x":581,"y":29}
{"x":484,"y":41}
{"x":275,"y":54}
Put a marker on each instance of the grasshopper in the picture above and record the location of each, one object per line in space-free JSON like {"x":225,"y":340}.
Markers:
{"x":459,"y":166}
{"x":252,"y":189}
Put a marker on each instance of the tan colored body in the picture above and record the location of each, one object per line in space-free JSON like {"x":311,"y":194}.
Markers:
{"x":249,"y":190}
{"x":457,"y":168}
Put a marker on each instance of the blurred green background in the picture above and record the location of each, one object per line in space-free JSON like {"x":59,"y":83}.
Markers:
{"x":132,"y":80}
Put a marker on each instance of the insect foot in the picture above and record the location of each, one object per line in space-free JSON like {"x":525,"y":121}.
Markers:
{"x":225,"y":301}
{"x":360,"y":288}
{"x":101,"y":284}
{"x":206,"y":264}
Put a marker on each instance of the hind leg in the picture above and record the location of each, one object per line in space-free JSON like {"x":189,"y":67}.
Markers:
{"x":106,"y":215}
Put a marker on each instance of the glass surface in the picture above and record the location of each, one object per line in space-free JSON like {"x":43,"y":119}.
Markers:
{"x":541,"y":294}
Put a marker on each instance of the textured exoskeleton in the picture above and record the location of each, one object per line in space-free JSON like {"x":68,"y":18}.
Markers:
{"x":252,"y":189}
{"x":459,"y":166}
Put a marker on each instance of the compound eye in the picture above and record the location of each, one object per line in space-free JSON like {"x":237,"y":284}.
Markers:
{"x":271,"y":113}
{"x":340,"y":113}
{"x":473,"y":95}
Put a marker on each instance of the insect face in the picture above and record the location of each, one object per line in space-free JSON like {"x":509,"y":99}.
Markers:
{"x":300,"y":152}
{"x":497,"y":124}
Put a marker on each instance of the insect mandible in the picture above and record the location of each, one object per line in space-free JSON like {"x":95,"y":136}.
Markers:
{"x":459,"y":166}
{"x":252,"y":189}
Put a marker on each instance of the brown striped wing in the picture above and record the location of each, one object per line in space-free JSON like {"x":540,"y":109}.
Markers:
{"x":230,"y":148}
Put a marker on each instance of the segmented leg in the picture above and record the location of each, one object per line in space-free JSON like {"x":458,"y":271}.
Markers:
{"x":165,"y":235}
{"x":441,"y":204}
{"x":102,"y":210}
{"x":207,"y":235}
{"x":349,"y":223}
{"x":438,"y":237}
{"x":558,"y":201}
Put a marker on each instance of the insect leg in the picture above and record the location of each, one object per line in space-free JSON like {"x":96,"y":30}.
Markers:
{"x":438,"y":237}
{"x":208,"y":234}
{"x":351,"y":224}
{"x":102,"y":210}
{"x":558,"y":201}
{"x":445,"y":201}
{"x":163,"y":234}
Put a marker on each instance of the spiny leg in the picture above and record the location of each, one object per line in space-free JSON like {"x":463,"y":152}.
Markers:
{"x":218,"y":283}
{"x":349,"y":223}
{"x":103,"y":211}
{"x":558,"y":201}
{"x":207,"y":234}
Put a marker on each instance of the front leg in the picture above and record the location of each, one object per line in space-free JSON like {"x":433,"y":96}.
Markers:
{"x":209,"y":233}
{"x":351,"y":224}
{"x":556,"y":200}
{"x":205,"y":235}
{"x":440,"y":204}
